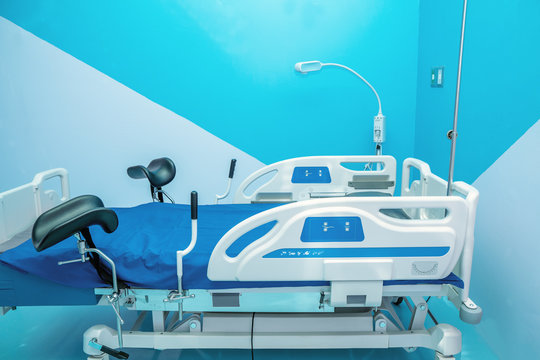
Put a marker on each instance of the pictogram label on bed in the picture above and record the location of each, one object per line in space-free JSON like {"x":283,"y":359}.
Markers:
{"x":332,"y":229}
{"x":427,"y":251}
{"x":311,"y":175}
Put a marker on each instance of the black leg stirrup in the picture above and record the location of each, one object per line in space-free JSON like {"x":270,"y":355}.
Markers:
{"x":159,"y":173}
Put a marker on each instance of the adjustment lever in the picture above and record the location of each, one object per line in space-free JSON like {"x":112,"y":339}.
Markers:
{"x":73,"y":261}
{"x":176,"y":296}
{"x":113,"y":299}
{"x":107,"y":350}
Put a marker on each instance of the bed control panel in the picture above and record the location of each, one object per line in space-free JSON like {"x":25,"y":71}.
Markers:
{"x":311,"y":175}
{"x":332,"y":229}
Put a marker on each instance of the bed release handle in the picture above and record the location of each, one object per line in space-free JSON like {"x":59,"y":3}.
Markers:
{"x":229,"y":182}
{"x":181,"y":294}
{"x":231,"y":169}
{"x":194,"y":203}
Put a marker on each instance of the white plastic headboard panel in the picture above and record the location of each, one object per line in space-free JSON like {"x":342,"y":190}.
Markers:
{"x":20,"y":207}
{"x":318,"y":177}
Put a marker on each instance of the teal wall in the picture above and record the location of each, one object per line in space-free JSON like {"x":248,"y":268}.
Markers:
{"x":228,"y":66}
{"x":500,"y":95}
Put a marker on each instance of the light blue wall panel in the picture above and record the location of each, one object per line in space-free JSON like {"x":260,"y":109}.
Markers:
{"x":506,"y":266}
{"x":500,"y":95}
{"x":56,"y":111}
{"x":228,"y":65}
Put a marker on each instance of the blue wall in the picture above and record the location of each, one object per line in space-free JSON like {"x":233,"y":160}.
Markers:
{"x":228,"y":66}
{"x":500,"y":77}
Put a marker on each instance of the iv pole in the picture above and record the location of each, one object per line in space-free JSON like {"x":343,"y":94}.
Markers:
{"x":452,"y":134}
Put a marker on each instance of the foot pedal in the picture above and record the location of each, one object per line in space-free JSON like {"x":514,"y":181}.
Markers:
{"x":107,"y":350}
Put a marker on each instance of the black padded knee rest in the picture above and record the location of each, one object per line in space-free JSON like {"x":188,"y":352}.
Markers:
{"x":71,"y":217}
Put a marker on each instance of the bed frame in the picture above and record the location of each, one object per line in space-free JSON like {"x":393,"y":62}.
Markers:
{"x":310,"y":240}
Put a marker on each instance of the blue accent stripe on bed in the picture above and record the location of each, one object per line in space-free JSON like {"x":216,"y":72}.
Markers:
{"x":144,"y":249}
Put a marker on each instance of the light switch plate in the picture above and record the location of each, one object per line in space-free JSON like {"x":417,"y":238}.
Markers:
{"x":437,"y":76}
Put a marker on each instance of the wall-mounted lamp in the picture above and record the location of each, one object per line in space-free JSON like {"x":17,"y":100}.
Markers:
{"x":379,"y":119}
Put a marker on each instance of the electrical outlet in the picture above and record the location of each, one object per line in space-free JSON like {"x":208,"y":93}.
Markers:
{"x":437,"y":76}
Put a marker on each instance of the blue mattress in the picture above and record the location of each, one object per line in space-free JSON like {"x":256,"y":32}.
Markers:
{"x":144,"y":249}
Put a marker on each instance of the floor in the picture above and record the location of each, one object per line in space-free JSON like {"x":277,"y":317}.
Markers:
{"x":49,"y":333}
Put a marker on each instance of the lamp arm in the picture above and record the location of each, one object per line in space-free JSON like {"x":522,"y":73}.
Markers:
{"x":361,"y":77}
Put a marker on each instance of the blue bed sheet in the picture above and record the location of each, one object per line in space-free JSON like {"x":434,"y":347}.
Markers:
{"x":144,"y":249}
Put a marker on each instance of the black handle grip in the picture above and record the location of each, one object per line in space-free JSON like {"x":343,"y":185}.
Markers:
{"x":194,"y":204}
{"x":114,"y":353}
{"x":231,"y":169}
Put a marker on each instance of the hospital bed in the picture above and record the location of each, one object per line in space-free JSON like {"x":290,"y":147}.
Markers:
{"x":269,"y":271}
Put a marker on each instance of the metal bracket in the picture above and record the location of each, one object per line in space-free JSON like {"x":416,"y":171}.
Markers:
{"x":321,"y":300}
{"x":175,"y":296}
{"x":156,"y":192}
{"x":192,"y":323}
{"x":419,"y":312}
{"x":383,"y":323}
{"x":113,"y":299}
{"x":388,"y":307}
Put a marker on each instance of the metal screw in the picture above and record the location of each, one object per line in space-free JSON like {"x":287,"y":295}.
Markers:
{"x":382,"y":324}
{"x":423,"y":307}
{"x":193,"y":325}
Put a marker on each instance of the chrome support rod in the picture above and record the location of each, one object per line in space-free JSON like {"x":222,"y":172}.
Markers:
{"x":115,"y":294}
{"x":453,"y":134}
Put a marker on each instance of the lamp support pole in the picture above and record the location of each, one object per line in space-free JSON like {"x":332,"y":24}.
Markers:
{"x":452,"y":134}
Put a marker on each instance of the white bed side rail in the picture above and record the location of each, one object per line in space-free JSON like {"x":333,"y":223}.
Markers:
{"x":291,"y":250}
{"x":430,"y":184}
{"x":20,"y":207}
{"x":318,"y":176}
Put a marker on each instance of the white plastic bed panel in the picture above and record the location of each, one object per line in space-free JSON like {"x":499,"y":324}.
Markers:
{"x":408,"y":249}
{"x":20,"y":207}
{"x":318,"y":176}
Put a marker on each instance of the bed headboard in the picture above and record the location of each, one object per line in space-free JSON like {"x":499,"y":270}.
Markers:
{"x":20,"y":207}
{"x":318,"y":177}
